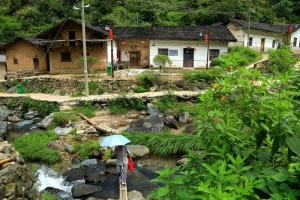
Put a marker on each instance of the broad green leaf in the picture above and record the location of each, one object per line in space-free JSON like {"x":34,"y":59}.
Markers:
{"x":211,"y":113}
{"x":293,"y":142}
{"x":264,"y":156}
{"x":264,"y":126}
{"x":209,"y":168}
{"x":178,"y":179}
{"x":163,"y":191}
{"x":281,"y":176}
{"x":275,"y":145}
{"x":260,"y":137}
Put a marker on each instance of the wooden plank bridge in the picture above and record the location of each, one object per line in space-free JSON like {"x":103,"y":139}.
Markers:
{"x":123,"y":191}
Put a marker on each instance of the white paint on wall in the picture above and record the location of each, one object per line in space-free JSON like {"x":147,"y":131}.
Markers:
{"x":200,"y":50}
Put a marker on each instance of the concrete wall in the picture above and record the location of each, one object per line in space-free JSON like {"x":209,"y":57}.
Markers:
{"x":200,"y":50}
{"x":295,"y":35}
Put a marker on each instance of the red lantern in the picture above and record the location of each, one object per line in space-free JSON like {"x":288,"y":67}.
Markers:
{"x":111,"y":34}
{"x":290,"y":29}
{"x":206,"y":37}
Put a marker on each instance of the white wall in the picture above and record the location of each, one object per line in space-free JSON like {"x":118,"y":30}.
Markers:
{"x":256,"y":41}
{"x":295,"y":34}
{"x":200,"y":50}
{"x":109,"y":52}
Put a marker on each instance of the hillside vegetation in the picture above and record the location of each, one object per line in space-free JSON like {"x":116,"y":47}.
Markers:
{"x":29,"y":17}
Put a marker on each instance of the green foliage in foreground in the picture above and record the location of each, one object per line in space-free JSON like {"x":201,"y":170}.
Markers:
{"x":166,"y":144}
{"x":63,"y":118}
{"x":33,"y":147}
{"x":210,"y":74}
{"x":48,"y":196}
{"x":237,"y":57}
{"x":44,"y":108}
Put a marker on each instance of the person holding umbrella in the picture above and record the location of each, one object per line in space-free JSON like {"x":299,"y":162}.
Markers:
{"x":121,"y":152}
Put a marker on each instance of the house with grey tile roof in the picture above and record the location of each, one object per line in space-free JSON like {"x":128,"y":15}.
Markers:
{"x":185,"y":45}
{"x":58,"y":48}
{"x":263,"y":36}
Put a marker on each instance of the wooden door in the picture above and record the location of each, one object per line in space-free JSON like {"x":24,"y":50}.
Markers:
{"x":262,"y":44}
{"x":36,"y":64}
{"x":188,"y":57}
{"x":134,"y":59}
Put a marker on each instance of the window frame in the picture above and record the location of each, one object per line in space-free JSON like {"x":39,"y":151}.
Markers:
{"x":66,"y":57}
{"x":161,"y":51}
{"x":212,"y":54}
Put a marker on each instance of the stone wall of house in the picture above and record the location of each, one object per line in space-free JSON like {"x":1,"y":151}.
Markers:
{"x":16,"y":182}
{"x":72,"y":86}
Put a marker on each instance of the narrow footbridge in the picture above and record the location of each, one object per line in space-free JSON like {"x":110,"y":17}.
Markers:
{"x":123,"y":191}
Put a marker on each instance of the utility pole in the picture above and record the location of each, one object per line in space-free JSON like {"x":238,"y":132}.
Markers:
{"x":249,"y":22}
{"x":207,"y":40}
{"x":86,"y":83}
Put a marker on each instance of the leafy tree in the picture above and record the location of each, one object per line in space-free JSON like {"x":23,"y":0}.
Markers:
{"x":162,"y":60}
{"x":90,"y":62}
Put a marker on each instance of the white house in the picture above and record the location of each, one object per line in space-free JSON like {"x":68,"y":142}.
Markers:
{"x":262,"y":36}
{"x":186,"y":46}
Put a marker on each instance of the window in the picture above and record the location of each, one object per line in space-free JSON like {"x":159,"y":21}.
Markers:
{"x":16,"y":61}
{"x":66,"y":57}
{"x":295,"y":42}
{"x":250,"y":41}
{"x":163,"y":51}
{"x":72,"y":37}
{"x":214,"y":53}
{"x":273,"y":43}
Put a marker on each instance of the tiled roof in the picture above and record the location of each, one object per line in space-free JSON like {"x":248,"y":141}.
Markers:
{"x":264,"y":26}
{"x":2,"y":58}
{"x":217,"y":32}
{"x":34,"y":41}
{"x":58,"y":26}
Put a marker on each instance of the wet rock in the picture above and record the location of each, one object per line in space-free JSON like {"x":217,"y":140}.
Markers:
{"x":3,"y":129}
{"x":31,"y":115}
{"x":170,"y":122}
{"x":135,"y":195}
{"x":138,"y":151}
{"x":62,"y":131}
{"x":84,"y":190}
{"x":46,"y":121}
{"x":55,"y":146}
{"x":152,"y":123}
{"x":152,"y":110}
{"x":182,"y":161}
{"x":190,"y":129}
{"x":4,"y":113}
{"x":184,"y":117}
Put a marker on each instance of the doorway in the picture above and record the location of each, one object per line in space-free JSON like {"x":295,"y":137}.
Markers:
{"x":134,"y":59}
{"x":36,"y":64}
{"x":262,"y":44}
{"x":188,"y":57}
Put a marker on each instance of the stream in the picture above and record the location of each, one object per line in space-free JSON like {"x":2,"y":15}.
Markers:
{"x":50,"y":178}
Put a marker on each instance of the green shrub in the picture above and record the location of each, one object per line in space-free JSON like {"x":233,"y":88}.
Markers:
{"x":63,"y":118}
{"x":87,"y":109}
{"x":11,"y":102}
{"x":49,"y":196}
{"x":44,"y":108}
{"x":281,"y":60}
{"x":140,"y":89}
{"x":147,"y":79}
{"x":33,"y":147}
{"x":162,"y":60}
{"x":166,"y":102}
{"x":77,"y":94}
{"x":210,"y":74}
{"x":121,"y":105}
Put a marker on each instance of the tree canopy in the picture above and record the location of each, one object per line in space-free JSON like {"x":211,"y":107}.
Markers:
{"x":29,"y":17}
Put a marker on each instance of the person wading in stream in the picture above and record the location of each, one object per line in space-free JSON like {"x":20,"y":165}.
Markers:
{"x":121,"y":152}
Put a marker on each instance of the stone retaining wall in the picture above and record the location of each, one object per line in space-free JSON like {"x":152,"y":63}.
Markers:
{"x":16,"y":182}
{"x":65,"y":86}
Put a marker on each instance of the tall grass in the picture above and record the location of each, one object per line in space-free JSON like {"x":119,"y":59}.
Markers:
{"x":166,"y":144}
{"x":33,"y":147}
